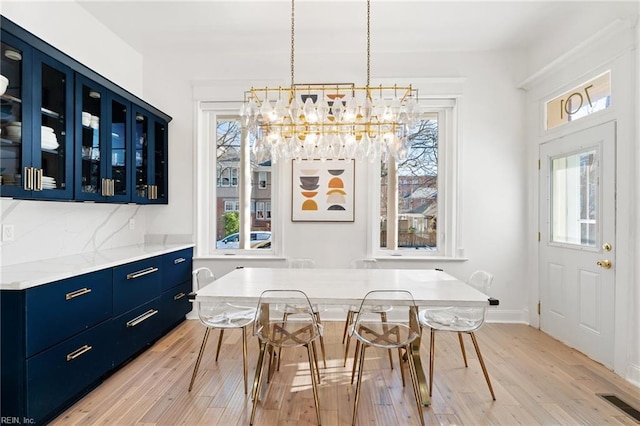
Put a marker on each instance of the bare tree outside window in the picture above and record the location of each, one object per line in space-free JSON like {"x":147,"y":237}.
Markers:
{"x":417,"y":191}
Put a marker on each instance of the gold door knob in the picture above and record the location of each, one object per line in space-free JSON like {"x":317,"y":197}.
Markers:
{"x":606,"y":264}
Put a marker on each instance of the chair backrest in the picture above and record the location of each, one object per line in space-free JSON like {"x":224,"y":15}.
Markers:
{"x":220,"y":315}
{"x":301,"y":263}
{"x":396,"y":328}
{"x":301,"y":326}
{"x":481,"y":280}
{"x":203,"y":276}
{"x":365,"y":264}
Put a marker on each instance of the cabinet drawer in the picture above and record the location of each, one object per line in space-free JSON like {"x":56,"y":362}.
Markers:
{"x":58,"y":374}
{"x":136,"y":283}
{"x":135,"y":330}
{"x":174,"y":305}
{"x":176,"y":268}
{"x":57,"y":311}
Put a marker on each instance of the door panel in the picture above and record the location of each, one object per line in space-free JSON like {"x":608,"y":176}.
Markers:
{"x":577,"y":230}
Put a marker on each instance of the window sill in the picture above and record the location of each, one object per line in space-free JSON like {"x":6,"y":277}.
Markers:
{"x":413,"y":258}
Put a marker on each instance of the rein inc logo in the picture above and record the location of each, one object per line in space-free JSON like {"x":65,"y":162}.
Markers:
{"x":7,"y":420}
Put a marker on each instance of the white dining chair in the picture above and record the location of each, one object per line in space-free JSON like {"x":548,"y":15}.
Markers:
{"x":221,"y":316}
{"x":459,"y":319}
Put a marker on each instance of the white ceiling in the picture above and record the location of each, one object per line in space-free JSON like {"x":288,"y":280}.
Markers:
{"x":243,"y":26}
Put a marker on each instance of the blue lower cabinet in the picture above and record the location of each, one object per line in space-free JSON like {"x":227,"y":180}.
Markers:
{"x":175,"y":305}
{"x":135,"y":330}
{"x":136,"y":283}
{"x":176,"y":268}
{"x":58,"y":375}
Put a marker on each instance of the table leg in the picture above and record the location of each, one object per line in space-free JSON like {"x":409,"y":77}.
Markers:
{"x":415,"y":354}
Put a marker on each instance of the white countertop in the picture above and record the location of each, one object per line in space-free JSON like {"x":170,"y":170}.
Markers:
{"x":30,"y":274}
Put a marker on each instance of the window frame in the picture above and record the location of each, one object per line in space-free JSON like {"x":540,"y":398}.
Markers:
{"x":449,"y":245}
{"x":207,"y":115}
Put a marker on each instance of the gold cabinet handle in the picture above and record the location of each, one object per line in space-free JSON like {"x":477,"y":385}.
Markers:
{"x":605,"y":264}
{"x":112,"y":187}
{"x":75,"y":354}
{"x":103,"y":187}
{"x":179,"y":260}
{"x":140,"y":318}
{"x":142,"y":273}
{"x":77,"y":293}
{"x":27,"y":178}
{"x":179,"y":296}
{"x":38,"y":179}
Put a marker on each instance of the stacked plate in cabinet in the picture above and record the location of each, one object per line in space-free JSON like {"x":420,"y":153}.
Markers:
{"x":48,"y":138}
{"x":48,"y":182}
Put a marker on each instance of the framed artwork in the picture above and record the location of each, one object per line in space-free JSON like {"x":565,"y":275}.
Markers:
{"x":323,"y":191}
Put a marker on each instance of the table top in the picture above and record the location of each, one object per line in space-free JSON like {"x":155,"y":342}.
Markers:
{"x":429,"y":287}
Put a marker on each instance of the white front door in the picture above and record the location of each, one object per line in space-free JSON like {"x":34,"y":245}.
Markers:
{"x":577,"y":246}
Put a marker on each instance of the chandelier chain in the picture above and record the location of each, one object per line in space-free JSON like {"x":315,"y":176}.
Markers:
{"x":368,"y":42}
{"x":293,"y":31}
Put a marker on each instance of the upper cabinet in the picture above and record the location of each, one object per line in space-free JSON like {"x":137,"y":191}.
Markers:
{"x":36,"y":124}
{"x":67,"y":133}
{"x":149,"y":158}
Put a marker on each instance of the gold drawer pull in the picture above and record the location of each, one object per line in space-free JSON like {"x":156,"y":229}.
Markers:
{"x":75,"y":354}
{"x":179,"y":260}
{"x":179,"y":296}
{"x":77,"y":293}
{"x":138,"y":274}
{"x":137,"y":320}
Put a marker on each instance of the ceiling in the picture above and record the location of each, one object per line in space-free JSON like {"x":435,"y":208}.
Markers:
{"x":246,"y":26}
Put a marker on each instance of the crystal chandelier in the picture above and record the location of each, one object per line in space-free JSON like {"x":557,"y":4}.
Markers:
{"x":330,"y":121}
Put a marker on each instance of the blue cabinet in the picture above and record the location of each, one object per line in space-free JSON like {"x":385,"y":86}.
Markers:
{"x":103,"y":131}
{"x":36,"y":143}
{"x":70,"y":134}
{"x":149,"y":160}
{"x":59,"y":340}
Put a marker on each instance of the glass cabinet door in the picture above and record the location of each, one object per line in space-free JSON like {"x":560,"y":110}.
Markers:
{"x":53,"y":129}
{"x":141,"y":156}
{"x":14,"y":154}
{"x":90,"y":110}
{"x":118,"y":144}
{"x":160,"y":161}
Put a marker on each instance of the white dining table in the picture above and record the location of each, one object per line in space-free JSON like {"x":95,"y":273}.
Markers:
{"x":429,"y":287}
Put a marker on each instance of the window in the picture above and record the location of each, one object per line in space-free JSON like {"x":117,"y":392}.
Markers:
{"x":262,"y":180}
{"x":411,"y":210}
{"x":231,"y":158}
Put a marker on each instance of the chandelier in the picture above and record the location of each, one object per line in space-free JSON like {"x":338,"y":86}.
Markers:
{"x":337,"y":121}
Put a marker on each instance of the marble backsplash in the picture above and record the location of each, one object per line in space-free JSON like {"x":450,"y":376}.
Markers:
{"x":48,"y":229}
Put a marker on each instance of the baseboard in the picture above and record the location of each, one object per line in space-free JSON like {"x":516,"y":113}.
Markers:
{"x":508,"y":316}
{"x":633,"y":375}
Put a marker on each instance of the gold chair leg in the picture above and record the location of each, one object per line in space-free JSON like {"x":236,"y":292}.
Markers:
{"x":202,"y":346}
{"x":400,"y":364}
{"x":484,"y":368}
{"x":324,"y":357}
{"x":356,"y":398}
{"x":284,"y":319}
{"x":432,"y":355}
{"x":416,"y":390}
{"x":245,"y":369}
{"x":464,"y":353}
{"x":314,"y":385}
{"x":255,"y":391}
{"x":258,"y":384}
{"x":355,"y":360}
{"x":219,"y":343}
{"x":346,"y":352}
{"x":315,"y":357}
{"x":347,"y":323}
{"x":383,"y":317}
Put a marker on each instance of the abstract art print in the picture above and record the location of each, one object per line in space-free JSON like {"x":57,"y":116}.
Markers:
{"x":323,"y":191}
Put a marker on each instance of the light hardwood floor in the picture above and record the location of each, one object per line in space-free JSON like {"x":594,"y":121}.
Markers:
{"x":537,"y":381}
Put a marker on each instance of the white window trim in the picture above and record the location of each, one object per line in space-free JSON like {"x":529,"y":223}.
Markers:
{"x":206,"y":187}
{"x":449,"y":238}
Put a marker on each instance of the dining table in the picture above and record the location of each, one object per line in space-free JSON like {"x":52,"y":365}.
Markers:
{"x":342,"y":287}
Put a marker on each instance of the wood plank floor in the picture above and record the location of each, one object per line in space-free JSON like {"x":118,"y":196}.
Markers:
{"x":537,"y":381}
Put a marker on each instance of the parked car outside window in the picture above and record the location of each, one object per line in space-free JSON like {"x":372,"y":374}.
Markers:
{"x":233,"y":241}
